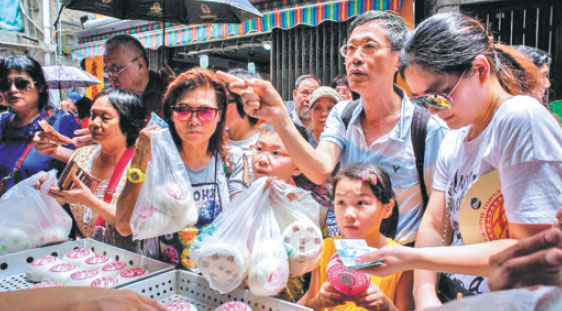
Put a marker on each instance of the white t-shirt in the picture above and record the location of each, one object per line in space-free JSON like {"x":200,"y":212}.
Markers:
{"x":394,"y":153}
{"x":524,"y":143}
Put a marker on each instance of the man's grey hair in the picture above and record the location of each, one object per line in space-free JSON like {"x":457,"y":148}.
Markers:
{"x":304,"y":77}
{"x":396,"y":30}
{"x":131,"y":42}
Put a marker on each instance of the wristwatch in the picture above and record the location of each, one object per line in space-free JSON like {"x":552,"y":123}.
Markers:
{"x":135,"y":175}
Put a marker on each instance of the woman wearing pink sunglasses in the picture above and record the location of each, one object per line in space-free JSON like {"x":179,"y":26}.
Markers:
{"x":194,"y":108}
{"x":478,"y":88}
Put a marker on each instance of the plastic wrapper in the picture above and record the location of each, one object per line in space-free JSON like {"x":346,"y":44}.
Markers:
{"x":30,"y":217}
{"x":165,"y":204}
{"x":269,"y":266}
{"x":298,"y":216}
{"x":221,"y":250}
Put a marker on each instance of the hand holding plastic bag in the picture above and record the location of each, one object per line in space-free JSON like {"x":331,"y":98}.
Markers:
{"x":31,"y":217}
{"x":165,"y":204}
{"x":221,"y":250}
{"x":298,"y":216}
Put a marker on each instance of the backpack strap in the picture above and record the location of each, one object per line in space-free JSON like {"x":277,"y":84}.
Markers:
{"x":348,"y":111}
{"x":418,"y":134}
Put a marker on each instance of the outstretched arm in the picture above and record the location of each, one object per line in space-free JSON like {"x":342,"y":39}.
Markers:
{"x":261,"y":100}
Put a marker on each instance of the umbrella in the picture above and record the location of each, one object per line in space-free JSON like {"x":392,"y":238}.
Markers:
{"x":175,"y":11}
{"x":66,"y":77}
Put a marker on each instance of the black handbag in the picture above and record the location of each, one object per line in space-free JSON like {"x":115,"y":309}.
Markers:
{"x":448,"y":289}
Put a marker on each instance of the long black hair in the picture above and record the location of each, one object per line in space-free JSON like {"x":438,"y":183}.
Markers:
{"x":448,"y":43}
{"x":130,"y":109}
{"x":28,"y":65}
{"x":382,"y":190}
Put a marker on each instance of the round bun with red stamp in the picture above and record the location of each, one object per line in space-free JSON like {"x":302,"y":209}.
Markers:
{"x":82,"y":278}
{"x":113,"y":268}
{"x":233,"y":306}
{"x":346,"y":282}
{"x":180,"y":306}
{"x":39,"y":267}
{"x":105,"y":282}
{"x":96,"y":262}
{"x":78,"y":256}
{"x":131,"y":274}
{"x":46,"y":285}
{"x":59,"y":272}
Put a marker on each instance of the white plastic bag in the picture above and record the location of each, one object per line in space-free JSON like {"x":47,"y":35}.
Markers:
{"x":298,"y":216}
{"x":30,"y":217}
{"x":165,"y":204}
{"x":269,"y":265}
{"x":221,"y":250}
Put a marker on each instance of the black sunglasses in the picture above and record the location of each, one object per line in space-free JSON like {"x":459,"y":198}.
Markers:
{"x":20,"y":83}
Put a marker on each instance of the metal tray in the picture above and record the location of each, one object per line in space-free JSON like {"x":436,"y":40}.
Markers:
{"x":193,"y":288}
{"x":13,"y":266}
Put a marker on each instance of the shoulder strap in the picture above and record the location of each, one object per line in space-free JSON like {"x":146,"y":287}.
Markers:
{"x":348,"y":111}
{"x":115,"y":178}
{"x":418,"y":128}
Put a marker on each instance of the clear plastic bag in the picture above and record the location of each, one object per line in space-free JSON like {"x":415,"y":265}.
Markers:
{"x":269,"y":265}
{"x":298,"y":216}
{"x":165,"y":204}
{"x":30,"y":217}
{"x":221,"y":250}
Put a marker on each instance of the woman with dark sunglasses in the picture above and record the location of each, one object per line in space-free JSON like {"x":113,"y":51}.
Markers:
{"x":24,"y":88}
{"x":479,"y":88}
{"x":194,"y":108}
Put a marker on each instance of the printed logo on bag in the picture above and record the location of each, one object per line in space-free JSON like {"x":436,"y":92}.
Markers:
{"x":62,"y":267}
{"x":114,"y":266}
{"x":83,"y":275}
{"x":78,"y":253}
{"x":47,"y":285}
{"x":105,"y":282}
{"x":146,"y":211}
{"x":178,"y":306}
{"x":97,"y":259}
{"x":132,"y":273}
{"x":45,"y":260}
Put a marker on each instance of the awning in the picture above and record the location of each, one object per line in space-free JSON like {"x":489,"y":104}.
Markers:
{"x":279,"y":14}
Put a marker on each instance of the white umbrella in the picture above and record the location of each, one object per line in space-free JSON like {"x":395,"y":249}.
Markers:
{"x":62,"y":77}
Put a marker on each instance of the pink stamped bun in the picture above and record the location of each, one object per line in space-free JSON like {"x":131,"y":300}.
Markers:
{"x":347,"y":282}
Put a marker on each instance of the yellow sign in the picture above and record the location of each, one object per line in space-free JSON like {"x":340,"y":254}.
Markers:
{"x":155,"y":10}
{"x":482,"y":215}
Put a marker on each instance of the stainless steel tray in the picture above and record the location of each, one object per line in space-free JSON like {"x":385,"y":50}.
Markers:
{"x":193,"y":288}
{"x":13,"y":266}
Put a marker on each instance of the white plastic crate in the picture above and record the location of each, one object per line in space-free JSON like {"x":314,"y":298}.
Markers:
{"x":187,"y":286}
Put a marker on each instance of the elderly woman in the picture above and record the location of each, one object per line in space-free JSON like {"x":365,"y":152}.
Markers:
{"x":194,"y":107}
{"x":115,"y":122}
{"x":24,"y":88}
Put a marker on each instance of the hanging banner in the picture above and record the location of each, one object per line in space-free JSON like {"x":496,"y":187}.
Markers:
{"x":94,"y":65}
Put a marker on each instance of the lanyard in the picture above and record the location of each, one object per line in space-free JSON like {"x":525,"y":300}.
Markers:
{"x":115,"y":178}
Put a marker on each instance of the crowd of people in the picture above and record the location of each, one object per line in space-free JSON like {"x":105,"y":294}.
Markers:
{"x":385,"y":167}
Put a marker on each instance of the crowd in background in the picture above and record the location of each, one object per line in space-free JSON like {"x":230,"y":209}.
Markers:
{"x":384,"y":166}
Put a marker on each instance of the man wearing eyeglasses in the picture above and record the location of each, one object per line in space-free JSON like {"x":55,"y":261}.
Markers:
{"x":125,"y":65}
{"x":376,"y":129}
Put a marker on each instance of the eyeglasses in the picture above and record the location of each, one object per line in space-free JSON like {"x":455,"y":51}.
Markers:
{"x":20,"y":83}
{"x":367,"y":49}
{"x":184,"y":112}
{"x":112,"y":75}
{"x":274,"y":153}
{"x":435,"y":100}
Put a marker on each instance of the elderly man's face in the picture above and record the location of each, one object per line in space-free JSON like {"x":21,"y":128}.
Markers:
{"x":125,"y":67}
{"x":370,"y":68}
{"x":303,"y":92}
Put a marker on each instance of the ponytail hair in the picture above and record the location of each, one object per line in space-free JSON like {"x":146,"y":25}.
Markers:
{"x":447,"y":43}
